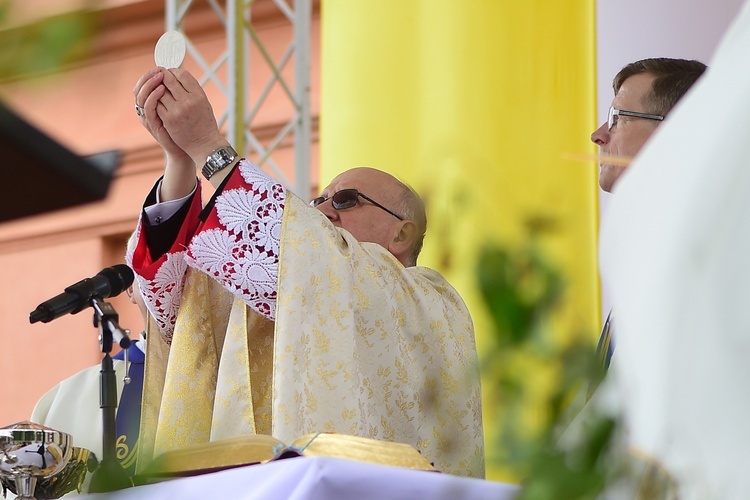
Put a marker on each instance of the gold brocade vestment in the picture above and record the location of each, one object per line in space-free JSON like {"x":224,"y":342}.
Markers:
{"x":360,"y":345}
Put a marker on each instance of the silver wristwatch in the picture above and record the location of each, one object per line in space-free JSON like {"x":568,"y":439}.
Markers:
{"x":218,"y":160}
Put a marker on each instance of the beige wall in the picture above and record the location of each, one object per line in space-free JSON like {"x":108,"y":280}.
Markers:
{"x":89,"y":108}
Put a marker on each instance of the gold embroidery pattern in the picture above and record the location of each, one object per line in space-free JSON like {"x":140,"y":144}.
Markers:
{"x":125,"y":454}
{"x":334,"y":361}
{"x":410,"y":375}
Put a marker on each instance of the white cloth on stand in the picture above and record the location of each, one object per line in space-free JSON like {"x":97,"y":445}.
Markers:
{"x":674,"y":254}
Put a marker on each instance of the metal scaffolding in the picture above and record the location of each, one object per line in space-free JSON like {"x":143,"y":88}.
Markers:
{"x":232,"y":71}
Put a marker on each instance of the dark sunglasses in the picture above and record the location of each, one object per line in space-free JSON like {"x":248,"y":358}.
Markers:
{"x":347,"y":198}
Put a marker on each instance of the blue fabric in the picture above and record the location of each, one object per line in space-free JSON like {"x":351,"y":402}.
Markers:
{"x":604,"y":351}
{"x":606,"y":346}
{"x":128,"y":419}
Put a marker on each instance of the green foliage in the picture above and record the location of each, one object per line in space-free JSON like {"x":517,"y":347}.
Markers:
{"x":523,"y":290}
{"x":44,"y":45}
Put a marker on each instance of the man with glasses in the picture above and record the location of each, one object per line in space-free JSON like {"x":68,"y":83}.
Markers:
{"x":283,"y":317}
{"x":645,"y":92}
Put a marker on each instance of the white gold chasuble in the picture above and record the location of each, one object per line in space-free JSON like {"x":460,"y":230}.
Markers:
{"x":360,"y":345}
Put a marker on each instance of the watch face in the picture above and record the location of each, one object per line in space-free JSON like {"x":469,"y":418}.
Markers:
{"x":222,"y":156}
{"x":218,"y":160}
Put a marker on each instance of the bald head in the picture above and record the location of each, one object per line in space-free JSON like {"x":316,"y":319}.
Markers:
{"x":383,"y":200}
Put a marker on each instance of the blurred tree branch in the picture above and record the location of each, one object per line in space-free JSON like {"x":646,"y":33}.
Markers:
{"x":43,"y":45}
{"x":535,"y":376}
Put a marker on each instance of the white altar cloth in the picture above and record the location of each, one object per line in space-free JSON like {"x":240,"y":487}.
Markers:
{"x":318,"y":478}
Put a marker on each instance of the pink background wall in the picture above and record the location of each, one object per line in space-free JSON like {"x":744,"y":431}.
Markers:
{"x":89,"y":108}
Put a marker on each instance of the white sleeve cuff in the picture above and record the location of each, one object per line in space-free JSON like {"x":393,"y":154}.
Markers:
{"x":163,"y":210}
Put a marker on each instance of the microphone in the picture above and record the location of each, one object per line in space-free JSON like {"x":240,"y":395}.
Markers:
{"x":108,"y":282}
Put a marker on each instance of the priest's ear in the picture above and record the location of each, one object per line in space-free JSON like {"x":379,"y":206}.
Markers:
{"x":403,"y":241}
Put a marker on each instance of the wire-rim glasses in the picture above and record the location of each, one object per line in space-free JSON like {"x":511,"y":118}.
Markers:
{"x":614,"y":113}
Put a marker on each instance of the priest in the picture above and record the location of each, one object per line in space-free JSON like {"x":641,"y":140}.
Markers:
{"x":281,"y":317}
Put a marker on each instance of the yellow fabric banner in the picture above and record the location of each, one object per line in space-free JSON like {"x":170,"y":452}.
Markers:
{"x":476,"y":103}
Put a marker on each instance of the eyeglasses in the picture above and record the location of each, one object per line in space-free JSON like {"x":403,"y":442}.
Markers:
{"x":614,"y":113}
{"x":347,"y":198}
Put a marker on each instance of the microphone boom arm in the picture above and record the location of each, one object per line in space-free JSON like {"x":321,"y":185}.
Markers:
{"x":106,"y":319}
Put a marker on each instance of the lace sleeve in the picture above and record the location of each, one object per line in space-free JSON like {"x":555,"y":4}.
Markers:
{"x":238,"y":244}
{"x":160,"y":280}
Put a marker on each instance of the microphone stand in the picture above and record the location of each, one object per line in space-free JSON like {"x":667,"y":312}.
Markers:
{"x":109,"y":474}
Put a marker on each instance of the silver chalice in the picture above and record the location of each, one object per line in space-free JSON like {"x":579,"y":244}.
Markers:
{"x":29,"y":452}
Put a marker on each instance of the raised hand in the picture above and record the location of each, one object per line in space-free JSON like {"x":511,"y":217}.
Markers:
{"x":179,"y":173}
{"x":147,"y":92}
{"x":187,"y":114}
